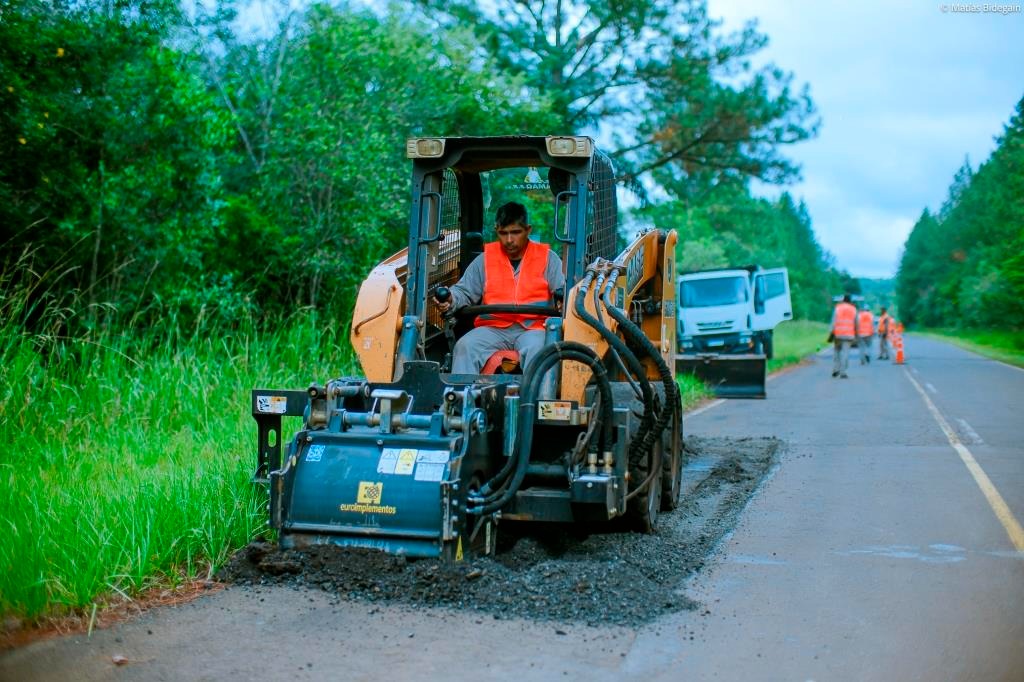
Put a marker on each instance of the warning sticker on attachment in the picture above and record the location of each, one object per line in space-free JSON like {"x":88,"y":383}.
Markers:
{"x":557,"y":410}
{"x":388,"y":460}
{"x":429,"y":471}
{"x":271,"y":404}
{"x":433,"y":456}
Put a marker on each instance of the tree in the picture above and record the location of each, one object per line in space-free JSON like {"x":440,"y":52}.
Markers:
{"x":324,"y":107}
{"x":659,"y":68}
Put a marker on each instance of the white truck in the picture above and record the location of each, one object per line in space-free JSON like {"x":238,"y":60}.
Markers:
{"x":725,"y":323}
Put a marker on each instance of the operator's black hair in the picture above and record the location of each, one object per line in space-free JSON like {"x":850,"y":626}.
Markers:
{"x":511,"y":213}
{"x":846,"y":298}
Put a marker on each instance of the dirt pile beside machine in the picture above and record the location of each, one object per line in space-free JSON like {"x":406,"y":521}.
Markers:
{"x":413,"y":459}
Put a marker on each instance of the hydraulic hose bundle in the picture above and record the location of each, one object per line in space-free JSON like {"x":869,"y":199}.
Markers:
{"x":622,"y":351}
{"x":500,"y":490}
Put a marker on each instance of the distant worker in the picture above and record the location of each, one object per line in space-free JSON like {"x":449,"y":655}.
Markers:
{"x":884,"y":325}
{"x":844,"y":332}
{"x":865,"y":330}
{"x":512,"y":270}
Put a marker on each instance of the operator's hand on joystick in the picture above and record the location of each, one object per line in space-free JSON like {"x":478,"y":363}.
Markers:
{"x":443,"y":299}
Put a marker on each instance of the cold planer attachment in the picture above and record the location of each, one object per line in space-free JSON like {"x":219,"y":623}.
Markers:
{"x":372,"y":469}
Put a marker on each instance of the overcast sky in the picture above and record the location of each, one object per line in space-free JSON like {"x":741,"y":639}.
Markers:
{"x":905,"y":91}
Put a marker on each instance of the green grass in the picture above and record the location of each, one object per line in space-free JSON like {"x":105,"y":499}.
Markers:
{"x":1004,"y":345}
{"x":692,"y":390}
{"x":795,"y":340}
{"x":127,"y":455}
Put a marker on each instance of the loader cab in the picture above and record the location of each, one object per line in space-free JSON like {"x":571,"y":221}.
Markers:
{"x":566,"y":185}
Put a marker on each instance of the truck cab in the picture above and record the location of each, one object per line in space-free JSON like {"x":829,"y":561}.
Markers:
{"x":732,"y":311}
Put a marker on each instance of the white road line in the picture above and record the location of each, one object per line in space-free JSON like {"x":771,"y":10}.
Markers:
{"x":707,"y":407}
{"x":972,"y":435}
{"x":995,"y":500}
{"x":931,"y":388}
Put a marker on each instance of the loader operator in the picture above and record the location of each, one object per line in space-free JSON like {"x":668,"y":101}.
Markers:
{"x":844,"y":331}
{"x":865,"y":330}
{"x":884,"y":322}
{"x":512,"y":270}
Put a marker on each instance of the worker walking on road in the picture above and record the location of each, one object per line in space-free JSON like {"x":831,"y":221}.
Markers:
{"x":844,"y":331}
{"x":865,"y":330}
{"x":884,"y":324}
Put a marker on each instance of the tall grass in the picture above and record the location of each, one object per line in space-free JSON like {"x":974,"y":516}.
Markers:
{"x":127,"y":453}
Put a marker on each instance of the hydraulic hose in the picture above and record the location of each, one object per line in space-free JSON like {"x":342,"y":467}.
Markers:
{"x":623,"y":351}
{"x":491,"y":490}
{"x":564,"y":350}
{"x":637,"y":336}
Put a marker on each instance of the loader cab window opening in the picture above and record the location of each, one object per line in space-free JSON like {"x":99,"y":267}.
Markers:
{"x":705,"y":293}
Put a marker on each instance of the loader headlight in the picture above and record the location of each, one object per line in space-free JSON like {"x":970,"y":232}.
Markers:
{"x":424,"y":147}
{"x":569,"y":146}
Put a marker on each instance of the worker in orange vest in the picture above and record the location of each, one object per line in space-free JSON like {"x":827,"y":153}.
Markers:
{"x":865,"y":330}
{"x":884,"y":327}
{"x":512,"y":270}
{"x":844,"y":332}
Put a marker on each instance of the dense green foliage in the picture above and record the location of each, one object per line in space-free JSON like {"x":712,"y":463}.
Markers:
{"x":122,"y":467}
{"x":161,"y":166}
{"x":964,"y":266}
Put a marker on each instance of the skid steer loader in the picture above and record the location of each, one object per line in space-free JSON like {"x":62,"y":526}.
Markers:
{"x":413,"y":459}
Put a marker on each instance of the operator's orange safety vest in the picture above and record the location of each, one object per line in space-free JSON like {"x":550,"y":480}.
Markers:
{"x":865,"y":323}
{"x":502,"y":285}
{"x":845,"y":322}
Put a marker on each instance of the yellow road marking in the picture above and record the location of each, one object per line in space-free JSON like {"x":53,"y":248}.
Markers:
{"x":995,"y":500}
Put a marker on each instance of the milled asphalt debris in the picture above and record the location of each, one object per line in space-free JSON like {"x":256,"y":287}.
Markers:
{"x":545,"y":571}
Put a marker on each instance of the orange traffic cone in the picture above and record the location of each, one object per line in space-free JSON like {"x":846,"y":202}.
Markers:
{"x":899,"y":349}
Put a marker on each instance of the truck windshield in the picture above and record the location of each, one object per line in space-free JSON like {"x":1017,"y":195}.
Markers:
{"x":703,"y":293}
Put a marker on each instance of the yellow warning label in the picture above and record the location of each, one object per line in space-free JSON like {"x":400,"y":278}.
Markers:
{"x":368,"y":500}
{"x":458,"y":551}
{"x":406,"y":461}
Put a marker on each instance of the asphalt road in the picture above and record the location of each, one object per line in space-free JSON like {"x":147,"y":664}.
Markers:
{"x":882,"y":547}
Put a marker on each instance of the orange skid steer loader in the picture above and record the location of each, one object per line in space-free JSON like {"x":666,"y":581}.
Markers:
{"x":413,"y":459}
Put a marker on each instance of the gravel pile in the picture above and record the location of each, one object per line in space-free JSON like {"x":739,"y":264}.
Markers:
{"x":542,"y":571}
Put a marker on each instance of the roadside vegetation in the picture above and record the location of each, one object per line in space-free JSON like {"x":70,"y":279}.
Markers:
{"x":963,"y":266}
{"x":128,"y":452}
{"x":1003,"y":345}
{"x":795,"y":340}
